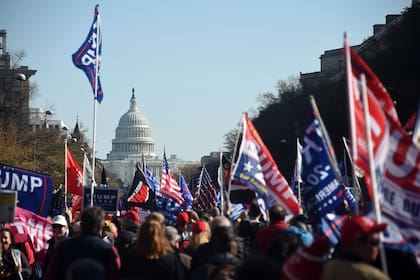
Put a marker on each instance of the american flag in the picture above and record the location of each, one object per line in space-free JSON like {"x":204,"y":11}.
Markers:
{"x":205,"y":196}
{"x":168,"y":185}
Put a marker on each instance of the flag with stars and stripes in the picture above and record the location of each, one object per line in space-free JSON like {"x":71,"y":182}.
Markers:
{"x":168,"y":185}
{"x":206,"y":192}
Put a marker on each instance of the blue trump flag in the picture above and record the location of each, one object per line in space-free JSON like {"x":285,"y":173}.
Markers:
{"x":34,"y":189}
{"x":88,"y":56}
{"x":322,"y":193}
{"x":186,"y":194}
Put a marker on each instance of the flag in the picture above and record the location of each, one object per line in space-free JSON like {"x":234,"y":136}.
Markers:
{"x":206,"y":192}
{"x":256,"y":168}
{"x":74,"y":175}
{"x":87,"y":171}
{"x":139,"y":191}
{"x":28,"y":226}
{"x":88,"y":56}
{"x":151,"y":181}
{"x":168,"y":185}
{"x":321,"y":191}
{"x":378,"y":103}
{"x":186,"y":194}
{"x":329,"y":227}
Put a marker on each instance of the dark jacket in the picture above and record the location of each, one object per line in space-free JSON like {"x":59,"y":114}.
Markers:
{"x":9,"y":266}
{"x":168,"y":267}
{"x":220,"y":266}
{"x":85,"y":246}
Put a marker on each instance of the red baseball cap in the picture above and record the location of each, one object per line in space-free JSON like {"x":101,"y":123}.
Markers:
{"x":356,"y":226}
{"x":306,"y":263}
{"x":182,"y":218}
{"x":199,"y":226}
{"x":133,"y":215}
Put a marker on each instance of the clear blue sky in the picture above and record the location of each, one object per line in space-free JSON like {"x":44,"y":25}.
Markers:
{"x":195,"y":65}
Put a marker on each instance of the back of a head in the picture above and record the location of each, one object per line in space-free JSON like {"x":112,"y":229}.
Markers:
{"x":151,"y":241}
{"x":220,"y":221}
{"x":92,"y":220}
{"x":222,"y":239}
{"x":276,"y":213}
{"x":86,"y":269}
{"x":254,"y":210}
{"x":157,"y":216}
{"x":172,"y":234}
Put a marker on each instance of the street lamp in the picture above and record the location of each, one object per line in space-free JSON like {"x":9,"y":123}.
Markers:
{"x":48,"y":113}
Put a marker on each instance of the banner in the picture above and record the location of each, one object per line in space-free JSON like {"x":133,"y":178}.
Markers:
{"x":34,"y":189}
{"x":28,"y":226}
{"x":106,"y":197}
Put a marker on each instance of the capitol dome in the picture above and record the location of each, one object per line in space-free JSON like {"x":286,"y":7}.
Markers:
{"x":133,"y":136}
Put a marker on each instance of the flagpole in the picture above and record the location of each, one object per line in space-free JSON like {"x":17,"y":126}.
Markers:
{"x":372,"y":170}
{"x":98,"y":42}
{"x":221,"y":182}
{"x":235,"y":148}
{"x":65,"y":172}
{"x":298,"y":175}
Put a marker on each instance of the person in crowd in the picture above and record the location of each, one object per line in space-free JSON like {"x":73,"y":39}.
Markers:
{"x":248,"y":228}
{"x":223,"y":261}
{"x":357,"y":250}
{"x":206,"y":250}
{"x":173,"y":236}
{"x":86,"y":269}
{"x":194,"y":217}
{"x":13,"y":264}
{"x":200,"y":235}
{"x":303,"y":230}
{"x":258,"y":267}
{"x":284,"y":243}
{"x":157,"y":216}
{"x":129,"y":231}
{"x":215,"y":211}
{"x":152,"y":256}
{"x":307,"y":262}
{"x":109,"y":232}
{"x":184,"y":229}
{"x":88,"y":245}
{"x":277,"y":219}
{"x":76,"y":229}
{"x":60,"y":232}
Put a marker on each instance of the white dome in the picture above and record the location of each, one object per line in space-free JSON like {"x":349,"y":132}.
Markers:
{"x":133,"y":136}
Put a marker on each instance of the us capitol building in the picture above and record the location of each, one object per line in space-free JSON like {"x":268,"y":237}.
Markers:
{"x":133,"y":141}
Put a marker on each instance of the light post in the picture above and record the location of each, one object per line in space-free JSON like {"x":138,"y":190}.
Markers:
{"x":48,"y":113}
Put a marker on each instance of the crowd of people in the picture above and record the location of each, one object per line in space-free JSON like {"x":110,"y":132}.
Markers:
{"x":202,"y":246}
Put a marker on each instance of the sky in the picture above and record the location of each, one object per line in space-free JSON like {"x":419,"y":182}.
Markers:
{"x":196,"y":66}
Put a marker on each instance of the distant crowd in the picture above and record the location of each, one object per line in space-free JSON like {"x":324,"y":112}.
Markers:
{"x":203,"y":246}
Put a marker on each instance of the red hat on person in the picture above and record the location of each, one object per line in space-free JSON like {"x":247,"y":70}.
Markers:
{"x":306,"y":263}
{"x":108,"y":217}
{"x":356,"y":226}
{"x":133,"y":215}
{"x":182,"y":218}
{"x":199,"y":226}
